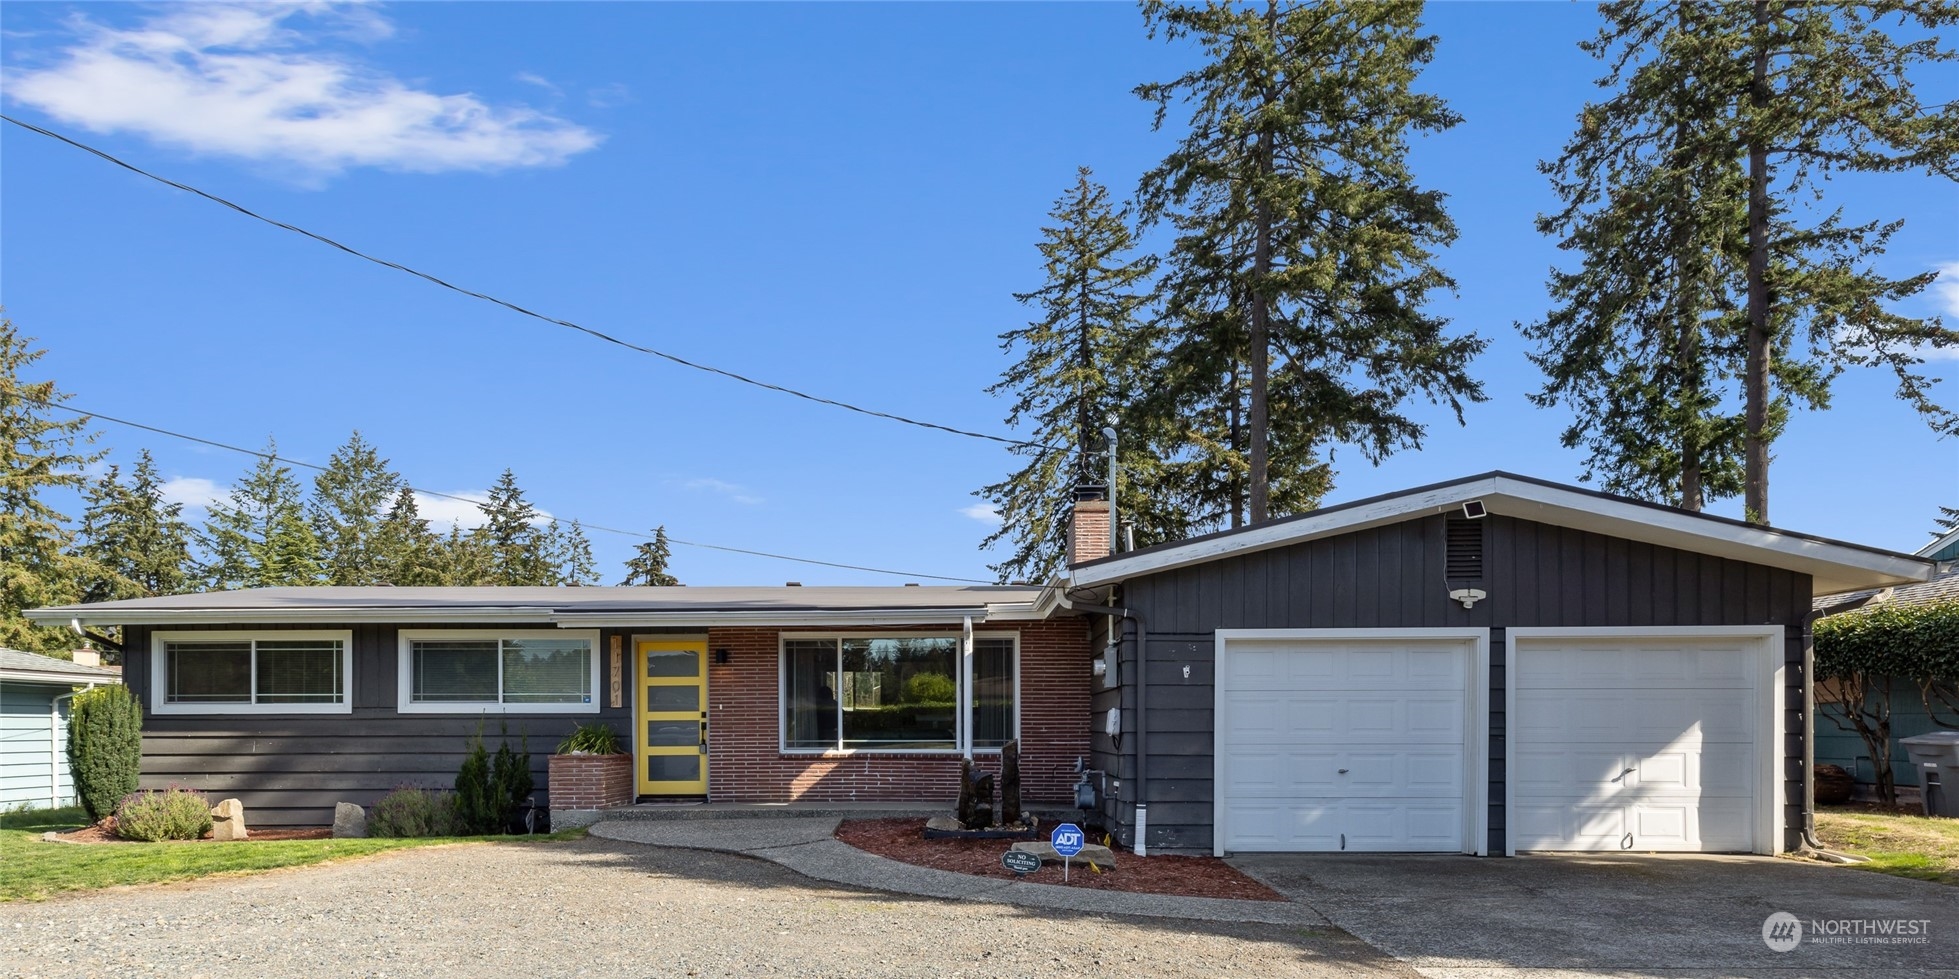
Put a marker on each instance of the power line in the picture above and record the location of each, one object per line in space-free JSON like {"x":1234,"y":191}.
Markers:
{"x":477,"y":503}
{"x":513,"y":307}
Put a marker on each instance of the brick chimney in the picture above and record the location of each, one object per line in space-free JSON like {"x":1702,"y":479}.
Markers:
{"x":1088,"y":526}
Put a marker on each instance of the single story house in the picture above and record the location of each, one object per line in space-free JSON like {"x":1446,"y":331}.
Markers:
{"x":1837,"y":742}
{"x":34,"y":695}
{"x":1486,"y":666}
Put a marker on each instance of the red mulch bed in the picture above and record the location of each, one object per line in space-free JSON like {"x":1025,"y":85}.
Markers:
{"x":904,"y":840}
{"x":105,"y":832}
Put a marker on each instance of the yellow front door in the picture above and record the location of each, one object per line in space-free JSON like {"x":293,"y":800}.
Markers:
{"x":672,"y":714}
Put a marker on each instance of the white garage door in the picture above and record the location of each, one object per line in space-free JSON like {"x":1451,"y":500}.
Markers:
{"x":1634,"y":744}
{"x":1342,"y":744}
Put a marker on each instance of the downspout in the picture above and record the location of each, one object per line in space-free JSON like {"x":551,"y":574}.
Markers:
{"x":966,"y":688}
{"x":1142,"y":713}
{"x":1809,"y":732}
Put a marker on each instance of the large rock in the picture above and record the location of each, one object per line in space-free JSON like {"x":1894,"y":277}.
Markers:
{"x":349,"y":821}
{"x":1094,"y":853}
{"x":228,"y":820}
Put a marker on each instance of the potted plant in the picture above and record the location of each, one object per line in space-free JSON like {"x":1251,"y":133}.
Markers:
{"x":590,"y":770}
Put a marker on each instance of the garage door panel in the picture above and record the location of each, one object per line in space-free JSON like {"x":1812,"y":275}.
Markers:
{"x":1614,"y":717}
{"x":1330,"y":717}
{"x":1368,"y":665}
{"x":1302,"y":773}
{"x":1349,"y":826}
{"x":1343,"y":744}
{"x":1680,"y":664}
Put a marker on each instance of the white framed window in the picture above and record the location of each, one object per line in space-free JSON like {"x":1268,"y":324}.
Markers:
{"x":273,"y":672}
{"x":469,"y":671}
{"x":897,"y":692}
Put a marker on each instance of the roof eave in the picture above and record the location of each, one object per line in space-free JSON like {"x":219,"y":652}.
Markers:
{"x":1833,"y":567}
{"x":56,"y":678}
{"x":261,"y":616}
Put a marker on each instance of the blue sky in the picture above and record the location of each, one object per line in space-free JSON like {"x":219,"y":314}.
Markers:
{"x":838,"y":198}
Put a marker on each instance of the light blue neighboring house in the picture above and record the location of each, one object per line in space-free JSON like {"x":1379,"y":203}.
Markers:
{"x":1840,"y":745}
{"x":34,"y":695}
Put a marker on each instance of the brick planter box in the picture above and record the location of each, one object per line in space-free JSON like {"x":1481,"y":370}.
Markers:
{"x":590,"y":781}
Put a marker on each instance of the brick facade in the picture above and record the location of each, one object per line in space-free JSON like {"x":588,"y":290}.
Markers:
{"x":746,"y":762}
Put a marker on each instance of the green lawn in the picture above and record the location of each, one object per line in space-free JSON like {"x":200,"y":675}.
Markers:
{"x":32,"y":870}
{"x":1921,"y":847}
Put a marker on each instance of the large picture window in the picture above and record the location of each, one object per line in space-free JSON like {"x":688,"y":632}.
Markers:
{"x":894,"y":693}
{"x":467,"y":671}
{"x":242,"y":672}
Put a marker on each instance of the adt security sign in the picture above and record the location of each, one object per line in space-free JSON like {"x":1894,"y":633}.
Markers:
{"x":1068,"y":839}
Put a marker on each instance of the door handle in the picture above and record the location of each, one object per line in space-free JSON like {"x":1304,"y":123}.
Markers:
{"x":703,"y":732}
{"x":1343,"y":771}
{"x":1623,"y":774}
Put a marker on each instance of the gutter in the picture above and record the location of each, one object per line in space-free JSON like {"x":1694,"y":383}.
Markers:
{"x":1142,"y":709}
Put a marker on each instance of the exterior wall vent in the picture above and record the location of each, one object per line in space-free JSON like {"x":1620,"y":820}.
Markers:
{"x":1464,"y":553}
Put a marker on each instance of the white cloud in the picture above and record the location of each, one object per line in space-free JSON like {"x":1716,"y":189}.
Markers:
{"x":193,"y":492}
{"x":982,"y":512}
{"x":733,"y":491}
{"x":443,"y":512}
{"x":238,"y":80}
{"x":1946,"y":288}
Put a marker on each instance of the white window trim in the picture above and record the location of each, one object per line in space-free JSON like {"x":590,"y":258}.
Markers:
{"x":960,"y":737}
{"x":404,"y":668}
{"x":159,"y":672}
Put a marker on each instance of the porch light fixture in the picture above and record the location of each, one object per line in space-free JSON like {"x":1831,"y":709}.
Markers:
{"x":721,"y":656}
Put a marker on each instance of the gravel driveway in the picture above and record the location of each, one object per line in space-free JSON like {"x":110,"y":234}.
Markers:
{"x":599,"y":908}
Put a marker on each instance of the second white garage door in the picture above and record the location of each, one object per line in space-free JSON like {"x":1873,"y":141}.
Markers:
{"x":1343,"y":743}
{"x":1636,"y":742}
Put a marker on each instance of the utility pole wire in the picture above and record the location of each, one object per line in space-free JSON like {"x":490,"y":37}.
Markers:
{"x":86,"y":414}
{"x":513,"y":307}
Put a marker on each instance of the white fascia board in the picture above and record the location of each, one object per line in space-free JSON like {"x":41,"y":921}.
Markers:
{"x":1013,"y":612}
{"x":1834,"y":567}
{"x":55,"y":679}
{"x":263,"y":616}
{"x":1266,"y":536}
{"x":788,"y":617}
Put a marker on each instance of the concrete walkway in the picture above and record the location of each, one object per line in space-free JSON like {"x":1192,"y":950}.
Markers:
{"x":807,"y":845}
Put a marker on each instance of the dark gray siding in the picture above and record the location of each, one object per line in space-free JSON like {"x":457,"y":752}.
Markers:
{"x":1393,"y":577}
{"x":290,"y":769}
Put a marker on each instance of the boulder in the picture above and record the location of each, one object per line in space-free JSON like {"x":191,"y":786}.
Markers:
{"x":349,"y":821}
{"x":1095,"y":853}
{"x":228,"y":820}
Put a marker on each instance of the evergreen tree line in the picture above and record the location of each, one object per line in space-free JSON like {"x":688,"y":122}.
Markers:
{"x":360,"y":524}
{"x":1287,"y":312}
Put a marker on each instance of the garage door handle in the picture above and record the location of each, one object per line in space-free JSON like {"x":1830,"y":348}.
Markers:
{"x":1623,"y":774}
{"x":1343,"y":771}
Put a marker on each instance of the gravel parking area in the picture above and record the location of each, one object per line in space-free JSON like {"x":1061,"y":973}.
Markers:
{"x":605,"y":909}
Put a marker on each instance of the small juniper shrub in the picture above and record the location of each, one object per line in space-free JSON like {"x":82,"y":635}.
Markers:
{"x":175,"y":813}
{"x":492,"y":796}
{"x":411,"y":810}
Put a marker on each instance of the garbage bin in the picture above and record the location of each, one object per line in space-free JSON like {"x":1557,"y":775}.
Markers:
{"x":1936,"y":757}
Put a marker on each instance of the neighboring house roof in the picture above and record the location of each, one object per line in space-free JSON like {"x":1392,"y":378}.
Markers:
{"x":1833,"y":566}
{"x":1945,"y":548}
{"x":683,"y":606}
{"x":1943,"y":588}
{"x":19,"y":667}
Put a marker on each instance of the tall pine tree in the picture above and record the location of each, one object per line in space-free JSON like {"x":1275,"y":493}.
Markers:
{"x":406,"y":552}
{"x":571,"y":555}
{"x":1305,"y":248}
{"x":516,"y":549}
{"x":1080,"y":363}
{"x":39,"y":453}
{"x":135,"y":537}
{"x":258,"y":536}
{"x":351,"y":500}
{"x":1776,"y":98}
{"x":648,"y":565}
